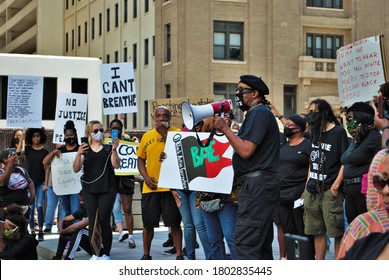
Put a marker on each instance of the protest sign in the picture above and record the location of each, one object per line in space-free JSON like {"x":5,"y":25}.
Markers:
{"x":118,"y":88}
{"x":65,"y":181}
{"x":128,"y":158}
{"x":192,"y":167}
{"x":70,"y":106}
{"x":360,"y":70}
{"x":24,"y":102}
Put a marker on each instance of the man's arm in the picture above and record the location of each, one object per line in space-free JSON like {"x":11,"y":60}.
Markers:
{"x":150,"y":181}
{"x":75,"y":226}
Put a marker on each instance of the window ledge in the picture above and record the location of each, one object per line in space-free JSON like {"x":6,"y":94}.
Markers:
{"x":166,"y":63}
{"x":238,"y":62}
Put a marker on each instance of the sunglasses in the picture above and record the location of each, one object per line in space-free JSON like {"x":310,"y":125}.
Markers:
{"x":349,"y":118}
{"x":243,"y":90}
{"x":97,"y":130}
{"x":380,"y":181}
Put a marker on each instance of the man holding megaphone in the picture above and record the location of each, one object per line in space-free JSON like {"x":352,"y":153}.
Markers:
{"x":255,"y":163}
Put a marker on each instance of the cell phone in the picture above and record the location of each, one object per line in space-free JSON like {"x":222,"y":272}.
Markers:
{"x":12,"y":151}
{"x":115,"y":134}
{"x":299,"y":247}
{"x":383,"y":107}
{"x":84,"y":140}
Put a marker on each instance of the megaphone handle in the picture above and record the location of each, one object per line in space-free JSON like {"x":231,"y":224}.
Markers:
{"x":208,"y":140}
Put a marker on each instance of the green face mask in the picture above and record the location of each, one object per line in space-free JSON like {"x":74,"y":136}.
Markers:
{"x":8,"y":234}
{"x":352,"y":127}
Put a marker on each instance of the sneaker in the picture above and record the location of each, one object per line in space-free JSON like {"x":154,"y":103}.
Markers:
{"x":105,"y":258}
{"x":144,"y":257}
{"x":184,"y":251}
{"x":171,"y":251}
{"x":40,"y":236}
{"x":180,"y":258}
{"x":131,"y":243}
{"x":94,"y":258}
{"x":123,"y":236}
{"x":169,"y":242}
{"x":67,"y":245}
{"x":47,"y":230}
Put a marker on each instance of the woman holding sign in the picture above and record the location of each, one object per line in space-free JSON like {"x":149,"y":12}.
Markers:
{"x":98,"y":182}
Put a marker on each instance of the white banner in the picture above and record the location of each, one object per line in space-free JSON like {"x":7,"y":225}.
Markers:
{"x":24,"y":102}
{"x":118,"y":88}
{"x":360,"y":70}
{"x":190,"y":166}
{"x":65,"y":181}
{"x":70,"y":106}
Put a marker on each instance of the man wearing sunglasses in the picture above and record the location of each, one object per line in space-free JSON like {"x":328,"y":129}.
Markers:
{"x":255,"y":163}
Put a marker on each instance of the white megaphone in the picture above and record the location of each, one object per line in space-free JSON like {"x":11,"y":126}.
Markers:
{"x":192,"y":114}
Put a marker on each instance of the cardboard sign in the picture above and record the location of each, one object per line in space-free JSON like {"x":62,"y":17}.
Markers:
{"x":97,"y":238}
{"x":118,"y":88}
{"x":128,"y":158}
{"x":360,"y":70}
{"x":24,"y":102}
{"x":70,"y":106}
{"x":189,"y":166}
{"x":65,"y":181}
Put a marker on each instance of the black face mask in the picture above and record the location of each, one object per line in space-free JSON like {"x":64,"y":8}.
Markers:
{"x":70,"y":140}
{"x":288,"y":132}
{"x":239,"y":102}
{"x":312,"y":117}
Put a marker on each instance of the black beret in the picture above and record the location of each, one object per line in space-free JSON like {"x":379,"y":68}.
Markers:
{"x":361,"y":107}
{"x":255,"y":83}
{"x":299,"y":121}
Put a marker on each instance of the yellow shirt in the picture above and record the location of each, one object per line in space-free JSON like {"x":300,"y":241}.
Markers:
{"x":150,"y":148}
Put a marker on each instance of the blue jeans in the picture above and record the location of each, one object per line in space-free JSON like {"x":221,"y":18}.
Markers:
{"x":221,"y":224}
{"x":69,"y":204}
{"x":193,"y":220}
{"x":52,"y":203}
{"x":39,"y":199}
{"x":117,"y":210}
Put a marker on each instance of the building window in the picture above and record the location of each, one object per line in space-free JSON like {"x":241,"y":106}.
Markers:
{"x":167,"y":43}
{"x":67,"y":4}
{"x":100,"y":24}
{"x":228,"y":40}
{"x":323,"y":45}
{"x":146,"y":113}
{"x":79,"y":35}
{"x":335,"y":4}
{"x":108,"y":19}
{"x":125,"y":11}
{"x":153,"y":45}
{"x":146,"y":51}
{"x":146,"y":6}
{"x":135,"y":10}
{"x":116,"y":56}
{"x":134,"y":56}
{"x":107,"y":59}
{"x":167,"y":91}
{"x":125,"y":55}
{"x":67,"y":42}
{"x":116,"y":15}
{"x":224,"y":91}
{"x":85,"y":32}
{"x":134,"y":120}
{"x":93,"y":28}
{"x":72,"y":39}
{"x":290,"y":102}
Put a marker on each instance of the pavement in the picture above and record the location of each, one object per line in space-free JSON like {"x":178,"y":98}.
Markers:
{"x":121,"y":251}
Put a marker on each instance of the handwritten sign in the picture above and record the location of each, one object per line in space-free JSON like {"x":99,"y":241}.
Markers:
{"x":24,"y":102}
{"x":65,"y":181}
{"x":128,"y":158}
{"x":360,"y":70}
{"x":118,"y":88}
{"x":192,"y":167}
{"x":70,"y":106}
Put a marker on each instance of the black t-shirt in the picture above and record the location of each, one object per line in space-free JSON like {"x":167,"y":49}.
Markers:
{"x":63,"y":149}
{"x":369,"y":247}
{"x":99,"y":174}
{"x":334,"y":144}
{"x":259,"y":127}
{"x":18,"y":196}
{"x":357,"y":158}
{"x":34,"y":164}
{"x":293,"y":168}
{"x":80,"y":213}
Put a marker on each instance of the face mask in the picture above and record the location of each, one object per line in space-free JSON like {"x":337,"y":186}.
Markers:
{"x":239,"y":102}
{"x":70,"y":140}
{"x":352,"y":127}
{"x":97,"y":136}
{"x":312,"y":117}
{"x":288,"y":132}
{"x":8,"y":233}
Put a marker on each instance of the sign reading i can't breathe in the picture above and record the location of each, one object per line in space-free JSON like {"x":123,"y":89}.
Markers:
{"x":118,"y":88}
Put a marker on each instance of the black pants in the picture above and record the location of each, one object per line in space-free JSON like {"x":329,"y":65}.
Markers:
{"x":254,"y":226}
{"x":78,"y":238}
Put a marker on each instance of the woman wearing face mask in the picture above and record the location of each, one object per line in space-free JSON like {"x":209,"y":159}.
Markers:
{"x":69,"y":203}
{"x":357,"y":158}
{"x":20,"y":245}
{"x":293,"y":171}
{"x":98,"y":182}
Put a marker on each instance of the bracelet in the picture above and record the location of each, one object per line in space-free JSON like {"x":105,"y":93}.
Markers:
{"x":385,"y":127}
{"x":281,"y":116}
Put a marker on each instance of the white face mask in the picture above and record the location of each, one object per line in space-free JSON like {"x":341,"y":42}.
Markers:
{"x":97,"y":136}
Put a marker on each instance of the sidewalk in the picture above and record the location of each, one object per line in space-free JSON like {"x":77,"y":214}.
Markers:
{"x":120,"y":250}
